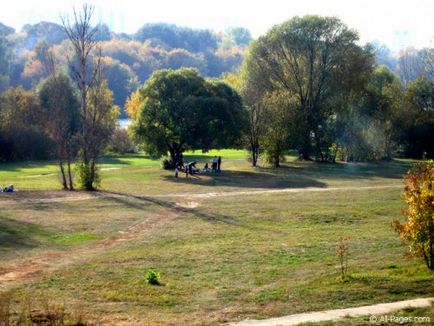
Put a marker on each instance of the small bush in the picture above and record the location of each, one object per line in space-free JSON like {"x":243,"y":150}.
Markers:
{"x":342,"y":251}
{"x":152,"y":277}
{"x":89,"y":175}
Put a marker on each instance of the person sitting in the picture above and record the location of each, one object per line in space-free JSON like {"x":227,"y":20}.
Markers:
{"x":9,"y":188}
{"x":192,"y":168}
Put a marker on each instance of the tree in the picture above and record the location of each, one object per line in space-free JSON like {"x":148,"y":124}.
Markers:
{"x":256,"y":113}
{"x":121,"y":79}
{"x":133,"y":103}
{"x":5,"y":58}
{"x":303,"y":57}
{"x":101,"y":121}
{"x":253,"y":94}
{"x":413,"y":63}
{"x":21,"y":127}
{"x":384,"y":56}
{"x":96,"y":110}
{"x":6,"y":30}
{"x":239,"y":35}
{"x":428,"y":62}
{"x":179,"y":58}
{"x":181,"y":110}
{"x":418,"y":231}
{"x":417,"y":118}
{"x":383,"y":101}
{"x":178,"y":37}
{"x":277,"y":120}
{"x":61,"y":113}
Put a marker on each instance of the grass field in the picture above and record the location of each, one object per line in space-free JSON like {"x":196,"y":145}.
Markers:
{"x":253,"y":253}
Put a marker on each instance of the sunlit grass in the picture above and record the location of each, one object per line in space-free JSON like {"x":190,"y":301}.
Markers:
{"x":220,"y":258}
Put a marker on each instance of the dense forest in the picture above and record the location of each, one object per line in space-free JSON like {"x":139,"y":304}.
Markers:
{"x":129,"y":60}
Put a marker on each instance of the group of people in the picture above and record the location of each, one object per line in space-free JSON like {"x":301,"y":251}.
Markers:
{"x":190,"y":168}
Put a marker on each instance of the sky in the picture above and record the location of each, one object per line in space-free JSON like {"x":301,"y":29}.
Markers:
{"x":396,"y":23}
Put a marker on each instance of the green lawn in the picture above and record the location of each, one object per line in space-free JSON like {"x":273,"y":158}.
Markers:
{"x":221,"y":258}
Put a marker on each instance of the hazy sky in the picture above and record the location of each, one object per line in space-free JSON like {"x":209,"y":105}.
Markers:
{"x":396,"y":23}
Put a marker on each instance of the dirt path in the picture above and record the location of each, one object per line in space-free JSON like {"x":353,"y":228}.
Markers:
{"x":274,"y":191}
{"x":86,"y":196}
{"x":28,"y":268}
{"x":373,"y":311}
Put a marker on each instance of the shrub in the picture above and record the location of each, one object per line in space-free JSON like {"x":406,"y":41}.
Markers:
{"x":88,"y":174}
{"x":152,"y":277}
{"x":418,"y":232}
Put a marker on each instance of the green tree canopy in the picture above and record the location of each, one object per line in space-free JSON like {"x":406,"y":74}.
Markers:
{"x":5,"y":58}
{"x":314,"y":59}
{"x":419,"y":118}
{"x":181,"y":110}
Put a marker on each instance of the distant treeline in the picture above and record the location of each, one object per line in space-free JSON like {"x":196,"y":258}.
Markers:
{"x":129,"y":59}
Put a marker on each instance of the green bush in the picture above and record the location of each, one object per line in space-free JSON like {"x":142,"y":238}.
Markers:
{"x":152,"y":277}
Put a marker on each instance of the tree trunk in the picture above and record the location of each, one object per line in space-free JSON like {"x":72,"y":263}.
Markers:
{"x":276,"y":161}
{"x":305,"y":147}
{"x":62,"y":172}
{"x":92,"y":174}
{"x":255,"y":156}
{"x":71,"y":183}
{"x":175,"y":151}
{"x":254,"y":149}
{"x":431,"y":254}
{"x":335,"y":154}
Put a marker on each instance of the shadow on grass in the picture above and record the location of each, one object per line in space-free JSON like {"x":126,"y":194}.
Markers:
{"x":125,"y":199}
{"x":266,"y":178}
{"x":18,"y":235}
{"x":16,"y":166}
{"x":341,"y":170}
{"x":123,"y":159}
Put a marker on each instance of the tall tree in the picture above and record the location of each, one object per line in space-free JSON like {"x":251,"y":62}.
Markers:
{"x":101,"y":121}
{"x":303,"y":57}
{"x":278,"y":113}
{"x":61,"y":112}
{"x":418,"y":118}
{"x":253,"y":93}
{"x":181,"y":110}
{"x":86,"y":72}
{"x":383,"y":105}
